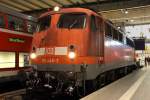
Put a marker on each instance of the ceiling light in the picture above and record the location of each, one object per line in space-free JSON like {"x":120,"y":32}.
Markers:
{"x":126,"y":12}
{"x":132,"y":20}
{"x":118,"y":27}
{"x":56,"y":8}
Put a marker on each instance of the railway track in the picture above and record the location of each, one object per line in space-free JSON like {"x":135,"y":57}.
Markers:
{"x":13,"y":95}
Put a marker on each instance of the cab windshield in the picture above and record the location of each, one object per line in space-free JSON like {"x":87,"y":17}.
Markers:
{"x":72,"y":21}
{"x":43,"y":23}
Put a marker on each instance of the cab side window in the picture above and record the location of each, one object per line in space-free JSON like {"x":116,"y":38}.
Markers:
{"x":93,"y":24}
{"x":99,"y":24}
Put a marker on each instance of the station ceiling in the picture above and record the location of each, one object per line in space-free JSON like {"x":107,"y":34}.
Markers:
{"x":29,"y":5}
{"x":138,"y":10}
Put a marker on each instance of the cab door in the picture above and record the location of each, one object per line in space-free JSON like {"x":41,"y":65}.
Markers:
{"x":100,"y":36}
{"x":93,"y":37}
{"x":96,"y":36}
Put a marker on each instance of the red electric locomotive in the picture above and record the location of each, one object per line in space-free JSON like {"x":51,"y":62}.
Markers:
{"x":80,"y":49}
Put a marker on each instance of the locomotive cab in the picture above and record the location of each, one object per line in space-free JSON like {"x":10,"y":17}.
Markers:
{"x":62,"y":36}
{"x":59,"y":48}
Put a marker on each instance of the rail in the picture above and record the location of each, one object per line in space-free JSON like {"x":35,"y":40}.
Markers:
{"x":13,"y":95}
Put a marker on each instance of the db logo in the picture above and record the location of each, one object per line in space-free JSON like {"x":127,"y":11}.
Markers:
{"x":50,"y":51}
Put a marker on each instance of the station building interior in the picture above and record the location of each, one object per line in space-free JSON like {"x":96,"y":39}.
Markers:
{"x":20,"y":22}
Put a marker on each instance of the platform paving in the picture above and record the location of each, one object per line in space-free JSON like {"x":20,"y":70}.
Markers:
{"x":135,"y":86}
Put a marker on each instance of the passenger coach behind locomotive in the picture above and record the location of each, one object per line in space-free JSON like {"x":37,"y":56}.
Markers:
{"x":77,"y":47}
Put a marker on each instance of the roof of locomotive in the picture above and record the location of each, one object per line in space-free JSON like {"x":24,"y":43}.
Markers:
{"x":70,"y":10}
{"x":79,"y":10}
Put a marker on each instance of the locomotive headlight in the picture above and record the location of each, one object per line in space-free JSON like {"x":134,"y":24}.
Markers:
{"x":56,"y":8}
{"x":32,"y":55}
{"x":72,"y":54}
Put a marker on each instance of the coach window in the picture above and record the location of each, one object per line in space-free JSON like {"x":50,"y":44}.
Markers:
{"x":2,"y":22}
{"x":11,"y":23}
{"x":19,"y":24}
{"x":23,"y":59}
{"x":31,"y":26}
{"x":7,"y":59}
{"x":44,"y":23}
{"x":108,"y":30}
{"x":72,"y":21}
{"x":15,"y":23}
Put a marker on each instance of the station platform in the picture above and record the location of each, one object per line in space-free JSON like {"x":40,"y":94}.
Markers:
{"x":135,"y":86}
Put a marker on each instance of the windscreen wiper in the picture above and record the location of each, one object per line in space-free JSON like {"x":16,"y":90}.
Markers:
{"x":74,"y":23}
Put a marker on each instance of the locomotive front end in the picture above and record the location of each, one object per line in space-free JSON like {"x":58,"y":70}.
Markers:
{"x":58,"y":49}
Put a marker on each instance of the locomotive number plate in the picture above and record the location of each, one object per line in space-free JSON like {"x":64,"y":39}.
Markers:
{"x":50,"y":60}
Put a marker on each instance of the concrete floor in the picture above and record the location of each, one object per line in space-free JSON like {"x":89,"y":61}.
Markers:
{"x":135,"y":86}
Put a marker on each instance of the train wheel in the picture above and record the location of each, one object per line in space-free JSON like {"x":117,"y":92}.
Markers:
{"x":110,"y":77}
{"x":100,"y":81}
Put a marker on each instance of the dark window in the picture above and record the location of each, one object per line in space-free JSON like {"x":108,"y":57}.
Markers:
{"x":72,"y":20}
{"x":130,"y":42}
{"x":120,"y":37}
{"x":108,"y":31}
{"x":15,"y":23}
{"x":44,"y":23}
{"x":139,"y":43}
{"x":115,"y":34}
{"x":31,"y":26}
{"x":2,"y":22}
{"x":11,"y":23}
{"x":93,"y":24}
{"x":127,"y":41}
{"x":19,"y":24}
